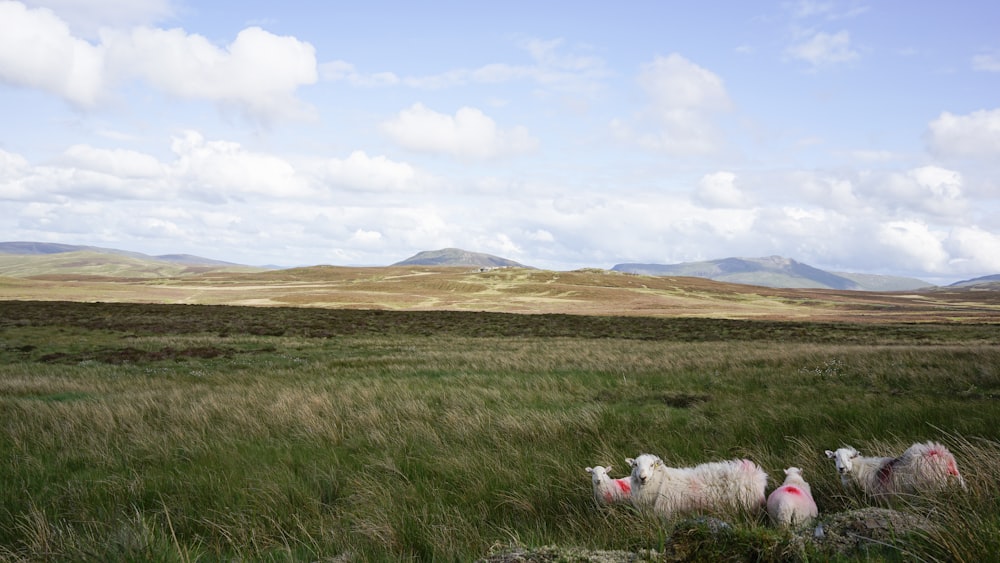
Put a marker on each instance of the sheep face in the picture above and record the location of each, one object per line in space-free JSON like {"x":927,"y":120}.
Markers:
{"x":844,"y":459}
{"x":643,"y":466}
{"x":599,"y":472}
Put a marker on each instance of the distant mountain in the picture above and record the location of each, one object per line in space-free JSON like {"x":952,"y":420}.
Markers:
{"x":192,"y":260}
{"x":458,"y":257}
{"x":775,"y":271}
{"x":32,"y":248}
{"x":878,"y":282}
{"x":30,"y":259}
{"x":40,"y":248}
{"x":992,"y":282}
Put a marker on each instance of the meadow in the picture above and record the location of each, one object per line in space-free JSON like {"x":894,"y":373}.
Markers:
{"x":209,"y":433}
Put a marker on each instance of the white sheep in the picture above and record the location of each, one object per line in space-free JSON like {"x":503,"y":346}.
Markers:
{"x":714,"y":486}
{"x":606,"y":489}
{"x":921,"y":468}
{"x":792,"y":503}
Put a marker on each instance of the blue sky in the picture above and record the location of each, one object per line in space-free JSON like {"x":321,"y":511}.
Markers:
{"x":853,"y":136}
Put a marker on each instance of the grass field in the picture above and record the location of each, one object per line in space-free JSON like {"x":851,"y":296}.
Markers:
{"x":190,"y":432}
{"x":515,"y":290}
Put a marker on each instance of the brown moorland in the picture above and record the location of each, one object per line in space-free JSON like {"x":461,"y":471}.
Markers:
{"x":512,"y":290}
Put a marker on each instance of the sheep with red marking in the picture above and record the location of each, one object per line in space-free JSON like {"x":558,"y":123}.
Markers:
{"x":606,"y":489}
{"x":923,"y":467}
{"x":709,"y":487}
{"x":792,"y":503}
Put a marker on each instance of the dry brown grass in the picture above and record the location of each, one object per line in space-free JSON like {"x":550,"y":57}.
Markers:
{"x":590,"y":292}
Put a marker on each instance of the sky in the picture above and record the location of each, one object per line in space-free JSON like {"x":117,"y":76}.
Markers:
{"x":856,"y":136}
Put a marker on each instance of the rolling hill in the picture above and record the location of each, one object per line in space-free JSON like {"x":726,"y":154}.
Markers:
{"x":38,"y":259}
{"x":775,"y":271}
{"x":458,"y":257}
{"x":985,"y":282}
{"x":33,"y":259}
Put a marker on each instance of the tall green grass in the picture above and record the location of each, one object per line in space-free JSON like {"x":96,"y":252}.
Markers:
{"x":188,"y":444}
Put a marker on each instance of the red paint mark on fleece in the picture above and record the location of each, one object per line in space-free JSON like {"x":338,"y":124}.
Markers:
{"x":792,"y":490}
{"x":952,"y":470}
{"x":623,"y":485}
{"x":607,"y":496}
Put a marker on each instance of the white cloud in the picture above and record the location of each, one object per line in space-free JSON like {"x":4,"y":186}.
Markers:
{"x":468,"y":134}
{"x":719,"y":189}
{"x":13,"y":169}
{"x":986,"y":62}
{"x":675,"y":83}
{"x":87,"y":18}
{"x":365,"y":238}
{"x":827,"y":10}
{"x":343,"y":70}
{"x":499,"y":244}
{"x":974,"y":249}
{"x":914,"y":244}
{"x":823,"y":48}
{"x":121,"y":163}
{"x":683,"y":99}
{"x":360,"y":171}
{"x":929,"y":189}
{"x":540,"y":235}
{"x":551,"y":67}
{"x":975,"y":135}
{"x":222,"y":170}
{"x":37,"y":50}
{"x":258,"y":73}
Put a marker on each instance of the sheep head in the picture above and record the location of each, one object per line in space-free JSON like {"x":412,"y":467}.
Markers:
{"x":793,"y":471}
{"x":598,"y":472}
{"x":643,"y":466}
{"x":844,"y":459}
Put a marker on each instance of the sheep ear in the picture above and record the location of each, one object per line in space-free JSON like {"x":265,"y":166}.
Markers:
{"x":590,"y":470}
{"x":630,"y":461}
{"x":608,"y":468}
{"x":831,"y":454}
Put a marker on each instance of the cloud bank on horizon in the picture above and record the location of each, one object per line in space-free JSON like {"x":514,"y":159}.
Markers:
{"x":845,"y":134}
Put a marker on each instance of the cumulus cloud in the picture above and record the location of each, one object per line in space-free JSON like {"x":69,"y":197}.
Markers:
{"x":362,"y":236}
{"x":974,"y":249}
{"x":362,"y":172}
{"x":258,"y":72}
{"x":940,"y":250}
{"x":121,"y":163}
{"x":719,"y":189}
{"x":37,"y":50}
{"x":468,"y":134}
{"x":975,"y":135}
{"x":13,"y":169}
{"x":683,"y":99}
{"x":203,"y":170}
{"x":221,"y":170}
{"x":926,"y":190}
{"x":821,"y":48}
